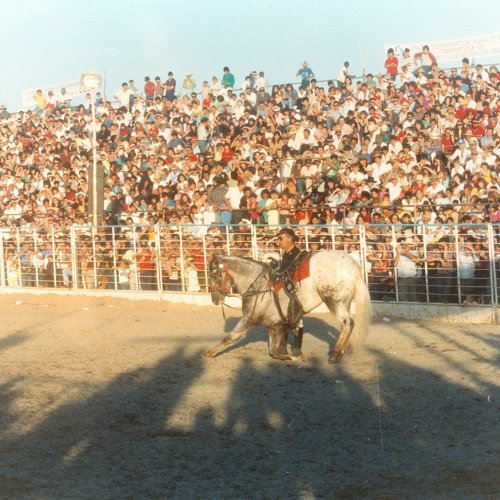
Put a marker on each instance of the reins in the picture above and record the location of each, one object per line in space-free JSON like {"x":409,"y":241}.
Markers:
{"x":248,"y":293}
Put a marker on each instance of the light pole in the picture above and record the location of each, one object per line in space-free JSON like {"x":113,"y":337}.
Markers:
{"x":91,"y":82}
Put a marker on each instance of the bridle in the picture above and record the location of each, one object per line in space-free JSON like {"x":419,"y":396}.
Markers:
{"x":221,"y":281}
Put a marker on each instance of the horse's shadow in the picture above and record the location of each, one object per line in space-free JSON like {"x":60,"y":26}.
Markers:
{"x":318,"y":328}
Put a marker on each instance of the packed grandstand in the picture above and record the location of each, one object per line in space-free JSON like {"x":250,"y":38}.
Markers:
{"x":413,"y":146}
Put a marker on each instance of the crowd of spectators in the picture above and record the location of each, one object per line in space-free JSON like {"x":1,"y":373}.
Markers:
{"x":392,"y":143}
{"x":415,"y":145}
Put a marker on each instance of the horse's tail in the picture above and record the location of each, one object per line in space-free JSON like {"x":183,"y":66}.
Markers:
{"x":362,"y":315}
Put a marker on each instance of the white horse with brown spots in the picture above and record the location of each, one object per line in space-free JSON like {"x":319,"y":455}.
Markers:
{"x":334,"y":278}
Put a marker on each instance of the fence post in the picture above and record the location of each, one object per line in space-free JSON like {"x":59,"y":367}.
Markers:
{"x":254,"y":244}
{"x":181,"y":251}
{"x":159,"y":266}
{"x":332,"y":232}
{"x":54,"y":265}
{"x":94,"y":257}
{"x":459,"y":291}
{"x":74,"y":257}
{"x":18,"y":258}
{"x":426,"y":267}
{"x":493,"y":265}
{"x":394,"y":268}
{"x":362,"y":252}
{"x":205,"y":260}
{"x":115,"y":274}
{"x":228,"y":244}
{"x":2,"y":260}
{"x":137,"y":274}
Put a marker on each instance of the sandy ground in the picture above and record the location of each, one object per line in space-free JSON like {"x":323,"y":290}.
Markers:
{"x":108,"y":398}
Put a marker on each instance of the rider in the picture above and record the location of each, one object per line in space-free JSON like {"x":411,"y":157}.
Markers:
{"x":290,"y":251}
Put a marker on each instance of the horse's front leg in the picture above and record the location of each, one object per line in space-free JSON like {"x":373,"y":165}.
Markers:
{"x":236,"y":333}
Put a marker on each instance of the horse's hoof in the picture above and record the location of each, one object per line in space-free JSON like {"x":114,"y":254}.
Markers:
{"x":298,"y":358}
{"x":335,"y":357}
{"x":208,"y":355}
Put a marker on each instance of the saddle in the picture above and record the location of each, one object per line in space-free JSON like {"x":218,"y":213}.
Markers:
{"x":287,"y":278}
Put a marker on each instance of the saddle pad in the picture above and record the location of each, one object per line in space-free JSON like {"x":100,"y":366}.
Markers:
{"x":299,"y":273}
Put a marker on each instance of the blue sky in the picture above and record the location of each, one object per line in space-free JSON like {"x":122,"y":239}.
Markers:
{"x":56,"y":40}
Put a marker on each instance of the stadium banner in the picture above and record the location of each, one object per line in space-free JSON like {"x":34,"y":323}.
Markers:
{"x":482,"y":47}
{"x":62,"y":91}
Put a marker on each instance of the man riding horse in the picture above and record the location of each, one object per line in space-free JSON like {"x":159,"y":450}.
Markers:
{"x":282,"y":272}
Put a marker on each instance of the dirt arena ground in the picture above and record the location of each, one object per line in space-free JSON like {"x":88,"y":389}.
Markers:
{"x":108,"y":398}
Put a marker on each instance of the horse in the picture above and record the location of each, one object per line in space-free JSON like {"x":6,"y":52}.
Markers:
{"x":334,"y":279}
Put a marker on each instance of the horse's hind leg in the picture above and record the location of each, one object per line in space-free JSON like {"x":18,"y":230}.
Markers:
{"x":341,"y":312}
{"x":277,"y":343}
{"x":238,"y":331}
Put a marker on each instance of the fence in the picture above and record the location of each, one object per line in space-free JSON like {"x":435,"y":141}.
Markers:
{"x":454,"y":264}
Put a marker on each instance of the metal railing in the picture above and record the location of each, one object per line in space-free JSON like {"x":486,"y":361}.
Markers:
{"x":458,"y":264}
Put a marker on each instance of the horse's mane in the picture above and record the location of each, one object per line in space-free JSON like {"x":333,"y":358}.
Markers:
{"x":248,"y":260}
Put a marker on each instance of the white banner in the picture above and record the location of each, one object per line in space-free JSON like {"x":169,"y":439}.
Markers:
{"x":474,"y":47}
{"x":62,"y":92}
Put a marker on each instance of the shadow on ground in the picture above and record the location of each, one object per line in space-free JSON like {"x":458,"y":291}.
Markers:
{"x":289,"y":431}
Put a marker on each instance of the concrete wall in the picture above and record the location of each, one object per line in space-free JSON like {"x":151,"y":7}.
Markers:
{"x":433,"y":312}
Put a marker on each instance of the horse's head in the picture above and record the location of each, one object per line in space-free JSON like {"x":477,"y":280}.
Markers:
{"x":220,"y":280}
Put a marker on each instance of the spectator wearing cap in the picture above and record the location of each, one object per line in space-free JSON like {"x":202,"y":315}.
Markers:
{"x":395,"y":187}
{"x":461,"y":153}
{"x":4,"y":114}
{"x":466,"y":267}
{"x":405,"y":262}
{"x":188,"y":84}
{"x":473,"y":164}
{"x":435,"y":187}
{"x":306,"y":74}
{"x":262,"y":97}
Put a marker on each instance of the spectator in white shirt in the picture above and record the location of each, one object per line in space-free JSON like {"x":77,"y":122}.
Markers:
{"x":123,"y":96}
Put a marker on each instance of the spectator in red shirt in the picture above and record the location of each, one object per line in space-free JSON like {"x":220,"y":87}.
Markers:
{"x":146,"y":263}
{"x":149,"y":89}
{"x":424,"y":60}
{"x":391,"y":64}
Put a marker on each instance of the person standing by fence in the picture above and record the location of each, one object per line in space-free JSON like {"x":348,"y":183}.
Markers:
{"x":146,"y":259}
{"x":406,"y":264}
